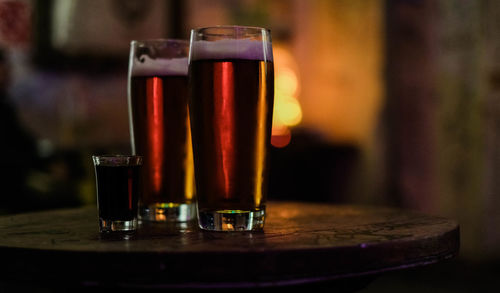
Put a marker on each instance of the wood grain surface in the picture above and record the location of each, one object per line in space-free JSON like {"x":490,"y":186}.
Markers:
{"x":301,"y":243}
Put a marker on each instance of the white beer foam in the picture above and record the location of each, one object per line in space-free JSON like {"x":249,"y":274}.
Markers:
{"x":151,"y":67}
{"x":232,"y":49}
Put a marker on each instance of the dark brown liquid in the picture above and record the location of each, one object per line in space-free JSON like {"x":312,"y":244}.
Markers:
{"x":162,"y":137}
{"x":231,"y":106}
{"x":117,"y":192}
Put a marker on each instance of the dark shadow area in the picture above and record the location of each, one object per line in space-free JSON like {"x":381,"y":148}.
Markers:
{"x":312,"y":169}
{"x":456,"y":275}
{"x":29,"y":180}
{"x":348,"y":285}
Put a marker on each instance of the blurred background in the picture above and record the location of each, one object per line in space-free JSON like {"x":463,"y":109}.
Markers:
{"x":392,"y":103}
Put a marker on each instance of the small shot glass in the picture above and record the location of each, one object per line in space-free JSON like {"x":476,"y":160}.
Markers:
{"x":117,"y":181}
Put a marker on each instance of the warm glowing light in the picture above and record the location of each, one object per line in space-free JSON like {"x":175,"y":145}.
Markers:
{"x":287,"y":111}
{"x":287,"y":82}
{"x":188,"y":164}
{"x":160,"y":217}
{"x":281,"y":137}
{"x":280,"y":130}
{"x":261,"y":134}
{"x":155,"y":107}
{"x":225,"y":131}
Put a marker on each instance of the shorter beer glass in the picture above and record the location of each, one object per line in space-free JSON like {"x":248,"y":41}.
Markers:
{"x":117,"y":181}
{"x":159,"y":128}
{"x":231,"y":81}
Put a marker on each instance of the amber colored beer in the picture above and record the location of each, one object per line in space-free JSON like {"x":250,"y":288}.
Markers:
{"x":161,"y":134}
{"x":231,"y":106}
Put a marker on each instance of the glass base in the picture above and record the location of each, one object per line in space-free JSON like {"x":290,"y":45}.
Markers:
{"x":112,"y":226}
{"x":232,"y":220}
{"x":168,"y":212}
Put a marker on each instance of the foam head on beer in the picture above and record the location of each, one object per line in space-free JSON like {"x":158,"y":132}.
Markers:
{"x":156,"y":67}
{"x":245,"y":49}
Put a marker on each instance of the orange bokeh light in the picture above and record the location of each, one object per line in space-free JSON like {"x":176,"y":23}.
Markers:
{"x":287,"y":110}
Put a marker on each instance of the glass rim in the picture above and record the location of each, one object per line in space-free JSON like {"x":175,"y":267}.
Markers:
{"x":159,"y":41}
{"x":117,"y":160}
{"x":230,"y":27}
{"x":231,"y":42}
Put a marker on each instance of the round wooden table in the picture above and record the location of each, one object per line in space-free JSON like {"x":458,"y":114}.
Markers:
{"x":302,"y":244}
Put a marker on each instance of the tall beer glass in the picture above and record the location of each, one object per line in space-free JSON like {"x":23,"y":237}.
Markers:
{"x":231,"y":82}
{"x":159,"y":128}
